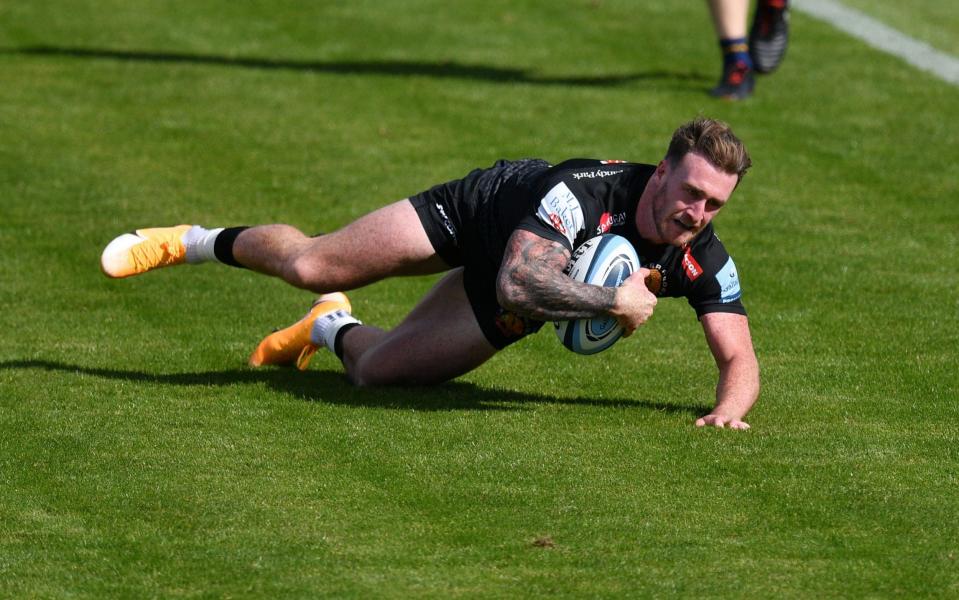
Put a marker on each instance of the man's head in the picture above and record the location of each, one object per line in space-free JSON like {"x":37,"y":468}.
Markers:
{"x":702,"y":167}
{"x":714,"y":141}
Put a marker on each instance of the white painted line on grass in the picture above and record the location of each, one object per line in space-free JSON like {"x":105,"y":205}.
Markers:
{"x":881,"y":36}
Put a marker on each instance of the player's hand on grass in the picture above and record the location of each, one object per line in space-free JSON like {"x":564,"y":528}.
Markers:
{"x":721,"y":421}
{"x":634,"y":302}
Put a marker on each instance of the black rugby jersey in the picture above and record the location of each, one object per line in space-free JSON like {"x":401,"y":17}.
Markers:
{"x":582,"y":198}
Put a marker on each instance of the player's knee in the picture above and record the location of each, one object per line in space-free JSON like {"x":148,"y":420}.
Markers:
{"x":377,"y":373}
{"x":366,"y":375}
{"x":310,"y":273}
{"x":323,"y":273}
{"x":317,"y":274}
{"x":358,"y":380}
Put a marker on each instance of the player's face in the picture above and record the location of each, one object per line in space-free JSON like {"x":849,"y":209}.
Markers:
{"x":689,"y":196}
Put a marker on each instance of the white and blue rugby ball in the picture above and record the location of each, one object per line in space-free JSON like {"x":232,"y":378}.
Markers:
{"x":605,"y":260}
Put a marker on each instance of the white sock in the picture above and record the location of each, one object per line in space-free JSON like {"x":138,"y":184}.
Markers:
{"x":326,"y":327}
{"x":199,"y":244}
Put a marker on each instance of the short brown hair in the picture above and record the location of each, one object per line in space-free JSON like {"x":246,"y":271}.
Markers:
{"x":714,"y":141}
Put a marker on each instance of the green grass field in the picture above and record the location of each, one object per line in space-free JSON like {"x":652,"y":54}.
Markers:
{"x":140,"y":457}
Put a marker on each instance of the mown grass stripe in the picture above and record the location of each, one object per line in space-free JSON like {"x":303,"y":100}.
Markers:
{"x":882,"y":37}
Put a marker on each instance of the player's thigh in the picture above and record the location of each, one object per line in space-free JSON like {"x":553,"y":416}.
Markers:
{"x":439,"y":340}
{"x":388,"y":241}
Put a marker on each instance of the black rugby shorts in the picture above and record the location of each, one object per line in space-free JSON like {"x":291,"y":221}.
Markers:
{"x":445,"y":211}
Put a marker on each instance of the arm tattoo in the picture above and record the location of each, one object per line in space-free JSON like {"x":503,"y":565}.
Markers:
{"x":531,"y":282}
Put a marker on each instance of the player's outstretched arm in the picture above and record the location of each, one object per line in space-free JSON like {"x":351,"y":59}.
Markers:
{"x":738,"y":388}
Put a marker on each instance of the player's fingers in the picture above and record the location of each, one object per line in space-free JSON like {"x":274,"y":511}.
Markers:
{"x":638,"y":277}
{"x":720,"y":422}
{"x":648,"y":281}
{"x":714,"y":421}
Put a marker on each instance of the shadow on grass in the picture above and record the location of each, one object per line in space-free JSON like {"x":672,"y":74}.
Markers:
{"x":443,"y":69}
{"x":333,"y":388}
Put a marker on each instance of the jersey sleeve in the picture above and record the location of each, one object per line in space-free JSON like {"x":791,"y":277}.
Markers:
{"x":558,"y":217}
{"x":717,"y":289}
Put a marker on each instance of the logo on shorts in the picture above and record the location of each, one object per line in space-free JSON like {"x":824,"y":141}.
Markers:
{"x":510,"y":324}
{"x":446,"y":221}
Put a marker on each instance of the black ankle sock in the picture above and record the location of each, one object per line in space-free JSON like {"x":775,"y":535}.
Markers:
{"x":223,"y":246}
{"x":338,"y":340}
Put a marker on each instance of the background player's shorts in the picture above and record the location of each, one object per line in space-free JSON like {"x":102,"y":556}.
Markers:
{"x":447,"y":213}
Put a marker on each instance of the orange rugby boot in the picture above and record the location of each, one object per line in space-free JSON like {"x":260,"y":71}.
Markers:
{"x":144,"y":250}
{"x":292,"y":345}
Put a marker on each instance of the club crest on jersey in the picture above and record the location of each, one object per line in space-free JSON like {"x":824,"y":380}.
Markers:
{"x":656,"y":280}
{"x":692,"y":268}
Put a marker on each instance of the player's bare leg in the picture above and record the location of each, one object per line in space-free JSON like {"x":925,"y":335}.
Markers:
{"x":729,"y":17}
{"x":388,"y":241}
{"x":438,"y":341}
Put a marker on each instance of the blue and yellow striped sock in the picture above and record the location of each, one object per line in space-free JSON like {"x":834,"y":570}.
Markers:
{"x":735,"y":51}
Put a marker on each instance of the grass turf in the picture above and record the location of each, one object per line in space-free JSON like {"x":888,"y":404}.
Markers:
{"x":140,"y":458}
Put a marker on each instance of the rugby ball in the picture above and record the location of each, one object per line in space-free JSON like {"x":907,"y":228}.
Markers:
{"x":605,"y":260}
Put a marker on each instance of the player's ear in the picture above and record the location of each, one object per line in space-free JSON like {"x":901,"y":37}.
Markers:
{"x":662,"y":168}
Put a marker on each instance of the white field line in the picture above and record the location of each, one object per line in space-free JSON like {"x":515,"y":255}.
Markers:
{"x":881,"y":36}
